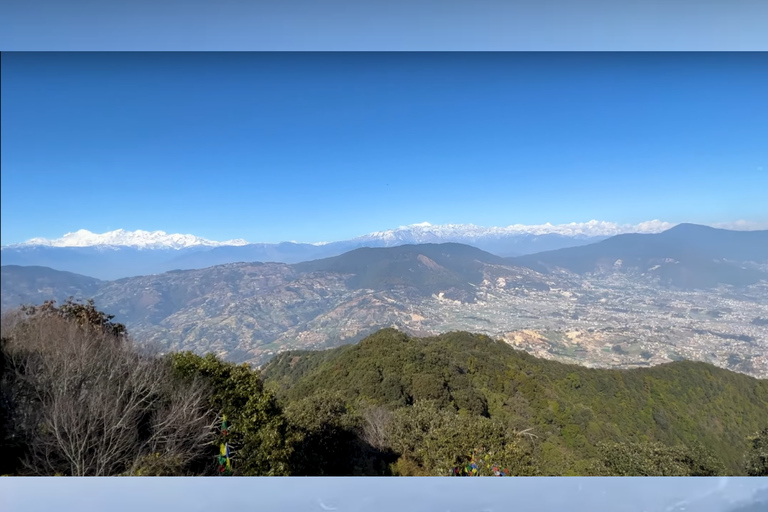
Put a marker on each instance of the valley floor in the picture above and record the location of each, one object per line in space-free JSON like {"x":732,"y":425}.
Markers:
{"x":607,"y":322}
{"x":618,"y":323}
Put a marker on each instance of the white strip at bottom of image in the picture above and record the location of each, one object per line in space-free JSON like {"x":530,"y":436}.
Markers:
{"x":546,"y":494}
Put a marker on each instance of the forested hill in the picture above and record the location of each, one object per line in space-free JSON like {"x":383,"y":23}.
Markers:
{"x":571,"y":409}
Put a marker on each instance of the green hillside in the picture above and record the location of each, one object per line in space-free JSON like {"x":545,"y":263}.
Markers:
{"x":79,"y":397}
{"x":570,"y":409}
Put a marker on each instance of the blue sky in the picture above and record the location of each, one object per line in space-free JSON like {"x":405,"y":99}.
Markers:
{"x":326,"y":146}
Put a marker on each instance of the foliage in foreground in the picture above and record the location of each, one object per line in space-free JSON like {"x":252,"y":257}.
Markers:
{"x":258,"y":428}
{"x":695,"y":410}
{"x":757,"y":456}
{"x":655,"y":459}
{"x":438,"y":441}
{"x":79,"y":398}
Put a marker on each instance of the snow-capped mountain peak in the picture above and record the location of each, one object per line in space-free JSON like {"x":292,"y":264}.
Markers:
{"x":425,"y":232}
{"x":422,"y":232}
{"x":121,"y":238}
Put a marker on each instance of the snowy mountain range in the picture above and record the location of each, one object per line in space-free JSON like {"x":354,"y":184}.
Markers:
{"x":120,"y":253}
{"x":423,"y":232}
{"x":121,"y":238}
{"x":428,"y":233}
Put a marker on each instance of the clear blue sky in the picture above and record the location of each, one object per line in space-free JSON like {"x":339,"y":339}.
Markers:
{"x":324,"y":146}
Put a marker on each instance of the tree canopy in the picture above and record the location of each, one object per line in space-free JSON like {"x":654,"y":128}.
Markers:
{"x":79,"y":397}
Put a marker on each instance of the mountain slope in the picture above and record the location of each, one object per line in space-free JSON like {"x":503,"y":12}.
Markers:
{"x":102,"y":262}
{"x":452,"y":269}
{"x":570,"y":408}
{"x":688,"y":256}
{"x":35,"y":285}
{"x":286,"y":252}
{"x":251,"y":311}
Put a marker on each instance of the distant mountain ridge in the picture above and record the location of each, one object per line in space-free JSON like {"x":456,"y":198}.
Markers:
{"x":35,"y":285}
{"x":251,"y":311}
{"x":687,"y":255}
{"x":423,"y":232}
{"x":121,"y":253}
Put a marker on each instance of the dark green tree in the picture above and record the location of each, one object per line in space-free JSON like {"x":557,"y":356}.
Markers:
{"x":434,"y":441}
{"x":84,"y":314}
{"x":11,"y":445}
{"x":325,"y":436}
{"x":757,"y":456}
{"x":655,"y":459}
{"x":258,"y":432}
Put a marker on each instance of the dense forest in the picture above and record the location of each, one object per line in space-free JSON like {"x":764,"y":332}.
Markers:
{"x":79,"y":397}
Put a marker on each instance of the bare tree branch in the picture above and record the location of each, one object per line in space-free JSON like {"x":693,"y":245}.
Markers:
{"x":91,"y":403}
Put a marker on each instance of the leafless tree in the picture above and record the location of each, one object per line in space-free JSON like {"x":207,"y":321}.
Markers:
{"x":92,"y":403}
{"x":375,"y":422}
